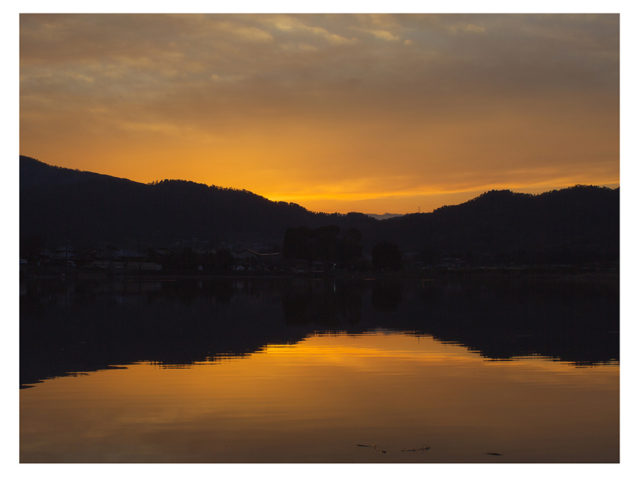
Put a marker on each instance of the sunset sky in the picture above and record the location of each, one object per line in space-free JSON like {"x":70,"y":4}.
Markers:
{"x":370,"y":113}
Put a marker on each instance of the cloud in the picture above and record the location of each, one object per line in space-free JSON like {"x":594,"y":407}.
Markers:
{"x":292,"y":103}
{"x":249,"y":33}
{"x":466,"y":28}
{"x":226,"y":78}
{"x":382,"y":34}
{"x":292,"y":24}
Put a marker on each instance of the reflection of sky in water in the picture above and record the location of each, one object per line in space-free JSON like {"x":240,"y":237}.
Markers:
{"x":315,"y":400}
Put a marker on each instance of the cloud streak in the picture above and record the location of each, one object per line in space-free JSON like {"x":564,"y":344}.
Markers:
{"x":308,"y":105}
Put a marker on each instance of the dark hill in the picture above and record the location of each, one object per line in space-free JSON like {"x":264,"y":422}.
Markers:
{"x":58,"y":206}
{"x":570,"y":225}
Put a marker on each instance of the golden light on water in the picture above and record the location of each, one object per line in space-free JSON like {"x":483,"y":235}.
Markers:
{"x":316,"y":399}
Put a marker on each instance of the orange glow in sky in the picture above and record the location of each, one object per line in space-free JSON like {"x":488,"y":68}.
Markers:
{"x":373,"y":113}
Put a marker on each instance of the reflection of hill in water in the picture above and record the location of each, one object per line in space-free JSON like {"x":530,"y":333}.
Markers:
{"x":82,"y":327}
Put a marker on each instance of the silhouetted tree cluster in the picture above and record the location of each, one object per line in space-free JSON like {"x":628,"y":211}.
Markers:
{"x":386,"y":256}
{"x":325,"y":244}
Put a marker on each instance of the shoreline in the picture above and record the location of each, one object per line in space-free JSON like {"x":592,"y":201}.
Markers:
{"x":567,"y":271}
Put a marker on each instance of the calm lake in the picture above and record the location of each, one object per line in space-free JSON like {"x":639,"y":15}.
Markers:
{"x":484,"y":368}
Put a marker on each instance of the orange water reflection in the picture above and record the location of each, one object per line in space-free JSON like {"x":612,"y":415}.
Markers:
{"x":314,"y":401}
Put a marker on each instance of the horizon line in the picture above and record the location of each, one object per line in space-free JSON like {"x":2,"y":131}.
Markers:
{"x":474,"y":192}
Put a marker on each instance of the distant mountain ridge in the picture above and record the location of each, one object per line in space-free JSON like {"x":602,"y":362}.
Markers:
{"x":382,"y":217}
{"x":60,"y":206}
{"x":576,"y":224}
{"x":64,"y":205}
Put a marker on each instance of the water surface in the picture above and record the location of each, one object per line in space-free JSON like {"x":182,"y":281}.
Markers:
{"x":319,"y":371}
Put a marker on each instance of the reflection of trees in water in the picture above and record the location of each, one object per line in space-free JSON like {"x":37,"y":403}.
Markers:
{"x":327,"y":303}
{"x":184,"y":322}
{"x":574,"y":319}
{"x":188,"y":290}
{"x":70,"y":327}
{"x":386,"y":296}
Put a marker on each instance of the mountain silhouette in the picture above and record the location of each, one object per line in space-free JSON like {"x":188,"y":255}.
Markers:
{"x":573,"y":225}
{"x":61,"y":206}
{"x":86,"y":209}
